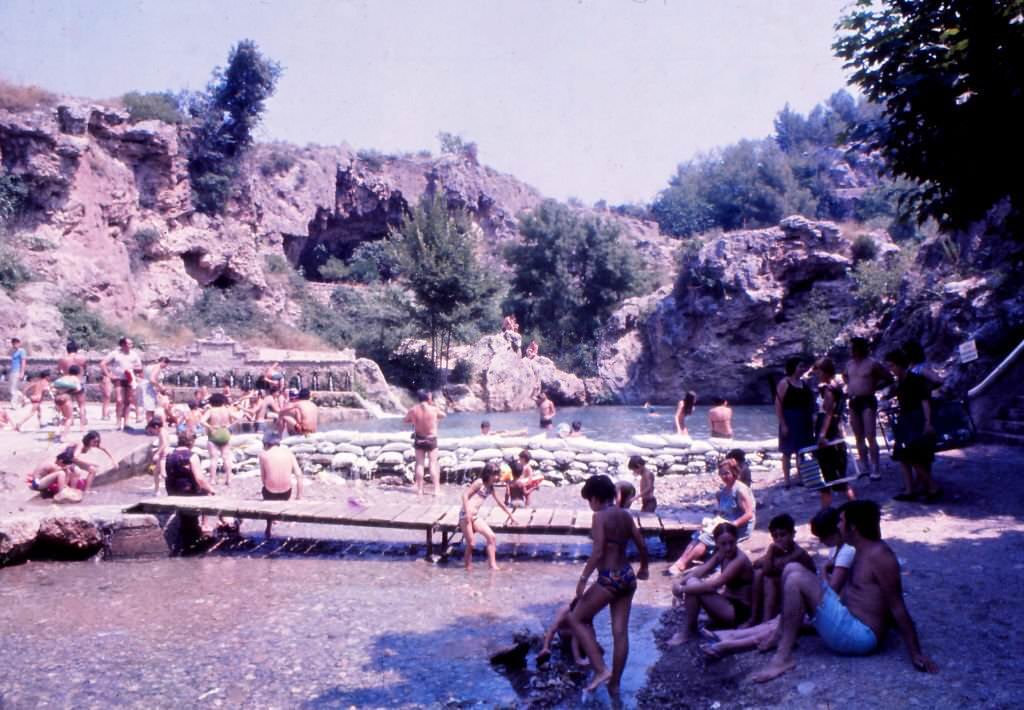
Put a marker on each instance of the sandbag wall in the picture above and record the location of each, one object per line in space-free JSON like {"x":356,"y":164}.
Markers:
{"x":376,"y":455}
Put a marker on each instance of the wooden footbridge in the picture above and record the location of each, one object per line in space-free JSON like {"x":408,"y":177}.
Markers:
{"x":430,"y":519}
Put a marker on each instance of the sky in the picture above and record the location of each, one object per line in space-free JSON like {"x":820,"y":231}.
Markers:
{"x":593,"y":99}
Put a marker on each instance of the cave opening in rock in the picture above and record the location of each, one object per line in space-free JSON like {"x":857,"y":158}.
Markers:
{"x":224,"y":281}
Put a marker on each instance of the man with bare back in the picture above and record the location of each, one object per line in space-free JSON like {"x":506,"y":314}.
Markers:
{"x":546,"y":410}
{"x":864,"y":376}
{"x":856,"y":623}
{"x":278,"y":468}
{"x":424,"y":417}
{"x":301,"y":416}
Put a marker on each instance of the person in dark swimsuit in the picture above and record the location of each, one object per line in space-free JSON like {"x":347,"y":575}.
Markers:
{"x":794,"y":407}
{"x":828,"y":428}
{"x":612,"y":528}
{"x":184,"y":472}
{"x":726,"y":595}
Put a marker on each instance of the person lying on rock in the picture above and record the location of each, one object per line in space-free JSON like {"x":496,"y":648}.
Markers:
{"x":856,"y":622}
{"x":722,"y":586}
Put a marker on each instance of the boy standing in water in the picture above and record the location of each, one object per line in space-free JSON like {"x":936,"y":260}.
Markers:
{"x":424,"y":418}
{"x":546,"y":410}
{"x":720,"y":419}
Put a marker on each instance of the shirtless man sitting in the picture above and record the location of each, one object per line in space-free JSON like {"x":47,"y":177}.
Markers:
{"x":856,"y":623}
{"x":864,"y":376}
{"x":301,"y":416}
{"x":278,"y":466}
{"x":720,"y":419}
{"x":424,"y":417}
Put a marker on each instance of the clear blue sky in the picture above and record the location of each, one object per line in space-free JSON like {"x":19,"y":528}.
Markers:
{"x":586,"y":98}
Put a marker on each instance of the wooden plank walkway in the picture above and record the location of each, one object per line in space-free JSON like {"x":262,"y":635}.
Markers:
{"x":431,"y":519}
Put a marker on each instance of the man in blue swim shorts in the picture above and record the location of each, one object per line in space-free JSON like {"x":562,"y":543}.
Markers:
{"x":856,"y":623}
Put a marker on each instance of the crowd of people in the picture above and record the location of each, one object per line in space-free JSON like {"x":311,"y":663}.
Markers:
{"x":752,"y":603}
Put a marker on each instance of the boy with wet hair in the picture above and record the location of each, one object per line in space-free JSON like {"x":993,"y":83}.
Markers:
{"x":768,"y":569}
{"x":720,"y":419}
{"x":638,"y":466}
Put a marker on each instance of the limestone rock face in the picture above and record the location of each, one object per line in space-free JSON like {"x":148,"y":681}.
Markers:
{"x":110,"y":221}
{"x":371,"y":382}
{"x":17,"y":535}
{"x":71,"y":537}
{"x":740,"y":307}
{"x":505,"y":381}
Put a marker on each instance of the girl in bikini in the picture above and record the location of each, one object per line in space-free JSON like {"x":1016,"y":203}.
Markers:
{"x":472,"y":498}
{"x":612,"y":528}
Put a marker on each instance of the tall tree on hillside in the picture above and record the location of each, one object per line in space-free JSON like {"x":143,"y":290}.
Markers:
{"x":226,"y":116}
{"x":438,"y":260}
{"x":950,"y":75}
{"x":570,"y":273}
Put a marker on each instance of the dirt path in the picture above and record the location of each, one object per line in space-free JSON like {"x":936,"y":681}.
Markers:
{"x":962,"y":563}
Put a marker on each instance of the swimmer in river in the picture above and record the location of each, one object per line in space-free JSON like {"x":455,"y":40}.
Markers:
{"x":424,"y":418}
{"x":720,"y":419}
{"x":546,"y":410}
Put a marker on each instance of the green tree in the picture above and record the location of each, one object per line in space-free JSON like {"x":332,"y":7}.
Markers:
{"x":161,"y":106}
{"x":570,"y":272}
{"x":949,"y":75}
{"x":436,"y":252}
{"x":226,"y":116}
{"x":13,"y":196}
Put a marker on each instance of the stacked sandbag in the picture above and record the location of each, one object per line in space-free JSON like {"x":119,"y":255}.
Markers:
{"x":339,"y":454}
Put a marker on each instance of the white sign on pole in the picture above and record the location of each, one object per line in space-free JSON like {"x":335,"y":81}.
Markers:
{"x":968,"y":352}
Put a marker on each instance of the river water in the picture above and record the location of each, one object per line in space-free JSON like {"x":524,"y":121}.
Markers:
{"x":373,"y":626}
{"x":612,"y":423}
{"x":228,"y":631}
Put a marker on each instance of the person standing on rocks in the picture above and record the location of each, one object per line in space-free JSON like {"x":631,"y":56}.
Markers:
{"x":864,"y":376}
{"x":854,"y":623}
{"x":638,"y":466}
{"x":546,"y":410}
{"x":683,"y":410}
{"x":120,"y":366}
{"x":794,"y":407}
{"x":424,"y":418}
{"x":16,"y":371}
{"x":64,"y":365}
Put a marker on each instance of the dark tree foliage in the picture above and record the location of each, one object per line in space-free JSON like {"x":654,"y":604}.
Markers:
{"x":438,"y":262}
{"x":160,"y":106}
{"x":571,"y":271}
{"x":226,"y":116}
{"x":949,"y":74}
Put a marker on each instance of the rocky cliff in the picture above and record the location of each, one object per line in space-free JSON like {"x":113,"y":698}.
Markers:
{"x":109,"y":219}
{"x":746,"y":301}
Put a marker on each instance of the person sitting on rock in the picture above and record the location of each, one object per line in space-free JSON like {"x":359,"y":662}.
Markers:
{"x":58,"y":479}
{"x":767,"y":596}
{"x":735,"y":504}
{"x":531,"y":350}
{"x":854,"y":623}
{"x":722,"y":586}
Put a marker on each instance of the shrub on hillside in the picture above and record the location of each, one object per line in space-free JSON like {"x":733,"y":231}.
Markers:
{"x":146,"y":237}
{"x":231,"y":309}
{"x":12,"y":272}
{"x":462,"y":373}
{"x":864,"y":248}
{"x":158,"y":106}
{"x":16,"y":97}
{"x":13,"y":196}
{"x":86,"y":328}
{"x":277,"y":264}
{"x":276,"y":163}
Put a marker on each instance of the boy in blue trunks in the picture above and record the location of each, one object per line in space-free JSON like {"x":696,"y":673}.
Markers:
{"x":855,"y":623}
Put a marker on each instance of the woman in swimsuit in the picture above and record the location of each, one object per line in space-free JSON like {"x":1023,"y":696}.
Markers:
{"x":472,"y":498}
{"x":612,"y":528}
{"x":725,"y":596}
{"x":217,"y":420}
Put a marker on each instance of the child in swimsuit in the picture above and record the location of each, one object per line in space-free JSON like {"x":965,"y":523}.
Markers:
{"x":612,"y":528}
{"x":35,"y":390}
{"x":470,"y":522}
